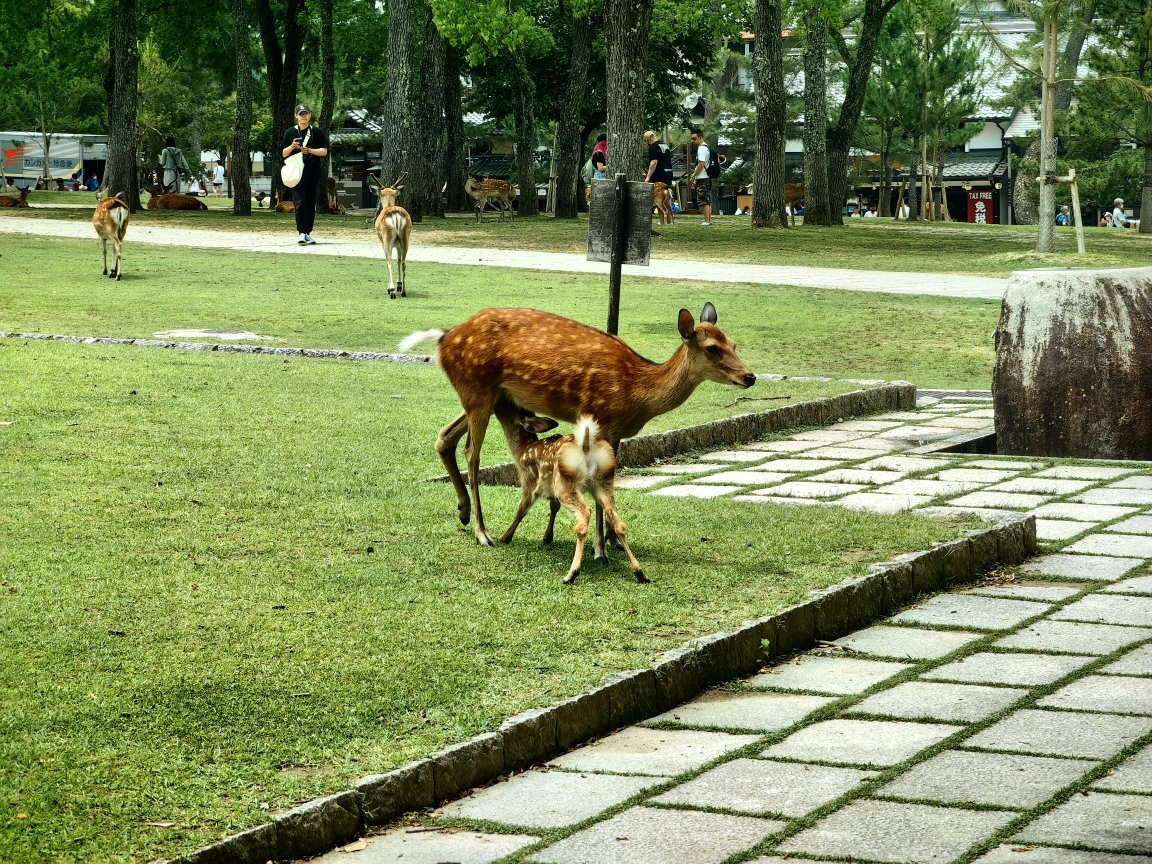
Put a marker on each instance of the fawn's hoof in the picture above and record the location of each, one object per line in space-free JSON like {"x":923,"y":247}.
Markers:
{"x":571,"y":577}
{"x":641,"y":578}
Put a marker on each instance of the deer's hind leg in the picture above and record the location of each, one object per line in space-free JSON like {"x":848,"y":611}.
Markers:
{"x":477,"y":429}
{"x":446,"y":443}
{"x":391,"y":281}
{"x":606,"y":498}
{"x":574,"y":503}
{"x":549,"y":534}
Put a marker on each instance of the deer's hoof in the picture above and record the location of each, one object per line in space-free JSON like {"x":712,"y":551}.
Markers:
{"x":483,"y":539}
{"x":641,"y":578}
{"x":547,"y":539}
{"x":616,"y":544}
{"x":602,"y":560}
{"x":506,"y":539}
{"x":571,"y":577}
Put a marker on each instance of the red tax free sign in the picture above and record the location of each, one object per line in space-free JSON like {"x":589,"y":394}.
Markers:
{"x":980,"y":206}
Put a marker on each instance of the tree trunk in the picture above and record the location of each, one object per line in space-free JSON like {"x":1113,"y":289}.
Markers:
{"x":1023,"y":198}
{"x":816,"y":208}
{"x":327,"y":100}
{"x":568,"y":153}
{"x":626,"y":27}
{"x":241,"y":186}
{"x":1071,"y":59}
{"x":884,"y":204}
{"x":913,"y":192}
{"x":768,"y":85}
{"x":1046,"y":233}
{"x":283,"y":69}
{"x":396,"y":138}
{"x":454,"y":162}
{"x":840,"y":138}
{"x":1146,"y":191}
{"x":430,"y":140}
{"x":120,"y":174}
{"x":522,"y":112}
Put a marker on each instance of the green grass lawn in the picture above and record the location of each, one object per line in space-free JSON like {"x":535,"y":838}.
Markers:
{"x":54,"y":285}
{"x":88,"y":199}
{"x":226,"y":590}
{"x":866,"y":244}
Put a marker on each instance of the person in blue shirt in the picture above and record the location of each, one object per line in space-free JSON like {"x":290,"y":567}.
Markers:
{"x":1062,"y":216}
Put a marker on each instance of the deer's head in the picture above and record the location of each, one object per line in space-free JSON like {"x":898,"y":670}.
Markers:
{"x":711,"y":354}
{"x":388,"y":193}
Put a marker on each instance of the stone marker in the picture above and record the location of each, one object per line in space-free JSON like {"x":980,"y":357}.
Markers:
{"x":1073,"y":374}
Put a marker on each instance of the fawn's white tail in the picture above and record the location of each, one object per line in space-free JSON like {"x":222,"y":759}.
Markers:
{"x":421,"y":336}
{"x":586,"y":456}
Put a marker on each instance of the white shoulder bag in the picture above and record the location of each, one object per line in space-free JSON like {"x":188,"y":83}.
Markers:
{"x":293,"y":169}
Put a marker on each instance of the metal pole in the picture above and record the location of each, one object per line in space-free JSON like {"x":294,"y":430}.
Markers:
{"x":619,"y":238}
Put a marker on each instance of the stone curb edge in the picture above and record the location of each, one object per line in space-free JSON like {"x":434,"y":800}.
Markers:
{"x":622,"y":698}
{"x":643,"y":450}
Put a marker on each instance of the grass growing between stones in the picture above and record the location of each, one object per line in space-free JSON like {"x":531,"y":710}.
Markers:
{"x":54,"y":285}
{"x":872,"y":244}
{"x":226,"y":589}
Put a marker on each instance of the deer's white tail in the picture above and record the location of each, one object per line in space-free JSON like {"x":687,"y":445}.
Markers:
{"x":589,"y":455}
{"x":119,"y":215}
{"x":421,"y":336}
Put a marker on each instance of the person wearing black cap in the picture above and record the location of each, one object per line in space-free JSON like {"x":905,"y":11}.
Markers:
{"x":313,"y":143}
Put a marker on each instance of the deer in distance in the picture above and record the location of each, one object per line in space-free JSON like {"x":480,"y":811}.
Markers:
{"x":500,"y":359}
{"x":491,"y":190}
{"x":111,"y":221}
{"x":172,"y":200}
{"x":9,"y":201}
{"x":559,"y":468}
{"x":394,"y":228}
{"x":662,"y":199}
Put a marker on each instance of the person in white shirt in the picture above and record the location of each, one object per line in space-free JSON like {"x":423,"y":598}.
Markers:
{"x":700,"y":181}
{"x":218,"y":180}
{"x":1118,"y":217}
{"x":194,"y":187}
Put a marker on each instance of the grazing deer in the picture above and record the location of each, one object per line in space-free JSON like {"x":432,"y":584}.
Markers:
{"x":172,"y":200}
{"x":394,"y":228}
{"x":793,"y":195}
{"x":9,"y":201}
{"x":564,"y":369}
{"x":111,"y":221}
{"x":662,"y":198}
{"x":284,"y":205}
{"x":491,"y":190}
{"x":559,"y":469}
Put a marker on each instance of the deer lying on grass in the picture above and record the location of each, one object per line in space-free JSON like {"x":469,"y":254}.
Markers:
{"x":564,"y":369}
{"x":9,"y":201}
{"x":662,"y":198}
{"x":393,"y":227}
{"x":793,"y":195}
{"x":559,"y":469}
{"x":491,"y":190}
{"x":284,"y":205}
{"x":111,"y":221}
{"x":173,"y":200}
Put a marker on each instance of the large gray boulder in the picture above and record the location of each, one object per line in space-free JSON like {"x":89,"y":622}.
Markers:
{"x":1073,"y":371}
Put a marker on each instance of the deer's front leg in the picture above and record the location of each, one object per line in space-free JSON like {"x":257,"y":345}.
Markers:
{"x":526,"y":503}
{"x":446,"y":443}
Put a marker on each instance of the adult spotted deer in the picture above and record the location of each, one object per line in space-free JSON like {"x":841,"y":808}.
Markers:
{"x":559,"y":469}
{"x":662,"y":198}
{"x":564,"y":369}
{"x":793,"y":195}
{"x":111,"y":221}
{"x":491,"y":190}
{"x":393,"y":227}
{"x":173,"y":200}
{"x":9,"y":201}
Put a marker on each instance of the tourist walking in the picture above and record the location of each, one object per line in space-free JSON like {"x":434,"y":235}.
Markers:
{"x":659,"y":161}
{"x":173,"y":164}
{"x":700,"y":180}
{"x":313,"y":143}
{"x":218,"y":180}
{"x":600,"y":158}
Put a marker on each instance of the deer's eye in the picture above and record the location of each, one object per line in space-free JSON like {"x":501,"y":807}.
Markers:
{"x":712,"y":349}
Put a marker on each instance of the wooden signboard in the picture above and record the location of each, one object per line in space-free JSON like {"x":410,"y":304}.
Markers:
{"x":601,"y":222}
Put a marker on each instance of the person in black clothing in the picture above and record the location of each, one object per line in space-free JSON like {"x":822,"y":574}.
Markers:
{"x":659,"y":161}
{"x":304,"y":195}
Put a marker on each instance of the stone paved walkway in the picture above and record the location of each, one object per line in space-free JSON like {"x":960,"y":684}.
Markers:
{"x":940,"y":284}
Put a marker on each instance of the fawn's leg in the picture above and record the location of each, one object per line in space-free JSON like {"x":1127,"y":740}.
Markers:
{"x":554,"y":505}
{"x":574,"y":503}
{"x":446,"y":443}
{"x":526,"y":502}
{"x":606,"y":497}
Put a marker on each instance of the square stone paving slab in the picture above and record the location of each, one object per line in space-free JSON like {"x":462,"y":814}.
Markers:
{"x":839,"y":675}
{"x":931,"y":488}
{"x":972,"y":611}
{"x":979,"y":512}
{"x":850,"y":451}
{"x":1058,"y":529}
{"x":960,"y":777}
{"x":916,"y":434}
{"x":907,"y":642}
{"x":888,"y":831}
{"x":1134,"y":585}
{"x":1004,"y":464}
{"x":961,"y":422}
{"x":1135,"y":525}
{"x":757,"y":711}
{"x":760,"y":786}
{"x":1140,"y":481}
{"x":975,"y":475}
{"x":641,"y":481}
{"x":1103,"y":693}
{"x":876,"y":502}
{"x":1041,"y":486}
{"x":807,"y":489}
{"x":1001,"y":500}
{"x":1105,"y":568}
{"x":415,"y":846}
{"x":860,"y":742}
{"x":1015,"y":853}
{"x":552,"y":799}
{"x":694,"y":491}
{"x":736,"y":456}
{"x":787,"y":502}
{"x":1052,"y":591}
{"x":1134,"y":774}
{"x":827,"y":436}
{"x":906,"y":464}
{"x":907,"y":416}
{"x":797,"y":464}
{"x":1073,"y":638}
{"x":689,"y":468}
{"x":868,"y":425}
{"x":1109,"y":609}
{"x":1027,"y":670}
{"x":965,"y":703}
{"x":1082,"y":512}
{"x":1137,"y":497}
{"x":645,"y":835}
{"x":742,"y":478}
{"x":1097,"y":819}
{"x":666,"y":752}
{"x":857,"y":475}
{"x":1085,"y":472}
{"x":783,"y":446}
{"x":1138,"y":662}
{"x":1062,"y":733}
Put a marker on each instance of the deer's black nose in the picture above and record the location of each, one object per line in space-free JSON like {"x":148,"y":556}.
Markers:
{"x":749,"y":380}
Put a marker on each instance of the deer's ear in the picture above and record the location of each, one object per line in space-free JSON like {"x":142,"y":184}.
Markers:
{"x":538,"y":424}
{"x":687,"y":325}
{"x":708,"y":316}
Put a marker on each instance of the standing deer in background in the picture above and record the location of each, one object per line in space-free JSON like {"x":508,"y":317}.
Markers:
{"x":662,"y":199}
{"x":111,"y":221}
{"x":9,"y":201}
{"x":793,"y":195}
{"x":491,"y":190}
{"x":559,"y":469}
{"x":394,"y":227}
{"x":561,"y":368}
